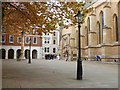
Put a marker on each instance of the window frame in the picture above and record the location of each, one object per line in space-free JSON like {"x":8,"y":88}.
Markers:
{"x":54,"y":41}
{"x":54,"y":50}
{"x":116,"y":28}
{"x":10,"y":39}
{"x":28,"y":40}
{"x":34,"y":40}
{"x":3,"y":38}
{"x":18,"y":38}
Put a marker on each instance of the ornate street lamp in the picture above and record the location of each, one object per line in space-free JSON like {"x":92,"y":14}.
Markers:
{"x":79,"y":18}
{"x":29,"y":61}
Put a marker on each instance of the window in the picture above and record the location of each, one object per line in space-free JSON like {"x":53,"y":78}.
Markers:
{"x":45,"y":49}
{"x":116,"y":27}
{"x":101,"y":25}
{"x":45,"y":41}
{"x":54,"y":50}
{"x":48,"y":49}
{"x":27,"y":40}
{"x":99,"y":34}
{"x":48,"y":41}
{"x":54,"y":42}
{"x":102,"y":16}
{"x":3,"y":38}
{"x":54,"y":34}
{"x":11,"y":39}
{"x":35,"y":40}
{"x":86,"y":29}
{"x":88,"y":24}
{"x":19,"y":39}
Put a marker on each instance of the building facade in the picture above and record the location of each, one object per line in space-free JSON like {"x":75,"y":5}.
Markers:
{"x":50,"y":45}
{"x":100,"y":33}
{"x":11,"y":46}
{"x":68,"y":43}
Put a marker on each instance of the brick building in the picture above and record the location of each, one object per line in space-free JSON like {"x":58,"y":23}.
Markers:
{"x":11,"y":46}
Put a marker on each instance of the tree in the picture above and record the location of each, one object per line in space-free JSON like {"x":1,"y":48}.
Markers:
{"x":38,"y":17}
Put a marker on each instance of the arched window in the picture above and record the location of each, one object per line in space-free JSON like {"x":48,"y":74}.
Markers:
{"x":102,"y":17}
{"x":86,"y":29}
{"x":116,"y":27}
{"x":54,"y":50}
{"x":99,"y":34}
{"x":101,"y":25}
{"x":88,"y":24}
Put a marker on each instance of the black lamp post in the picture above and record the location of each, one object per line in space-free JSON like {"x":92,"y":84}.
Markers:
{"x":79,"y":61}
{"x":29,"y":61}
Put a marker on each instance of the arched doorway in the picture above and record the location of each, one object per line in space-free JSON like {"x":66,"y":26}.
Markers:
{"x":2,"y":53}
{"x":10,"y":54}
{"x":27,"y":53}
{"x":18,"y":53}
{"x":34,"y":54}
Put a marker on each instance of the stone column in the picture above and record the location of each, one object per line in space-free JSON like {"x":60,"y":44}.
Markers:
{"x":92,"y":38}
{"x":92,"y":33}
{"x":15,"y":55}
{"x":107,"y":32}
{"x":6,"y":56}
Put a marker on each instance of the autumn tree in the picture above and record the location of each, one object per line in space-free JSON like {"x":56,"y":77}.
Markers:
{"x":38,"y":17}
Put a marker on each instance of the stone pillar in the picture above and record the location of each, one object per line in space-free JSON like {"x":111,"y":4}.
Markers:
{"x":6,"y":56}
{"x":92,"y":38}
{"x":107,"y":32}
{"x":31,"y":52}
{"x":92,"y":34}
{"x":15,"y":55}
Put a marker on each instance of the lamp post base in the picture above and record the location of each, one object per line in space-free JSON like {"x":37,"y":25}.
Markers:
{"x":29,"y":60}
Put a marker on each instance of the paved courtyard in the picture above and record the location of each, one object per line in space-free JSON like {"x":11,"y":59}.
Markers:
{"x":58,"y":74}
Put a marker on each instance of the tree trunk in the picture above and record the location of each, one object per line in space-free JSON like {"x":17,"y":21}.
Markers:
{"x":22,"y":47}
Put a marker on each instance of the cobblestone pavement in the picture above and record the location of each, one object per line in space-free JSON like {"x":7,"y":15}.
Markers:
{"x":58,"y":74}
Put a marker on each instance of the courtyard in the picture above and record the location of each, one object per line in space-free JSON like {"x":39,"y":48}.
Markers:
{"x":58,"y":74}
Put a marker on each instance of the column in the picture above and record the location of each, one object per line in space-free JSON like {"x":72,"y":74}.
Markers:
{"x":15,"y":54}
{"x":92,"y":34}
{"x":107,"y":32}
{"x":6,"y":56}
{"x":92,"y":38}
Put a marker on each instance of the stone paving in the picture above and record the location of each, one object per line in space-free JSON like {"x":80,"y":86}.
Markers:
{"x":58,"y":74}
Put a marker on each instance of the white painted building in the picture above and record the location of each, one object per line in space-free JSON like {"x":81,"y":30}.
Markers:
{"x":50,"y":44}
